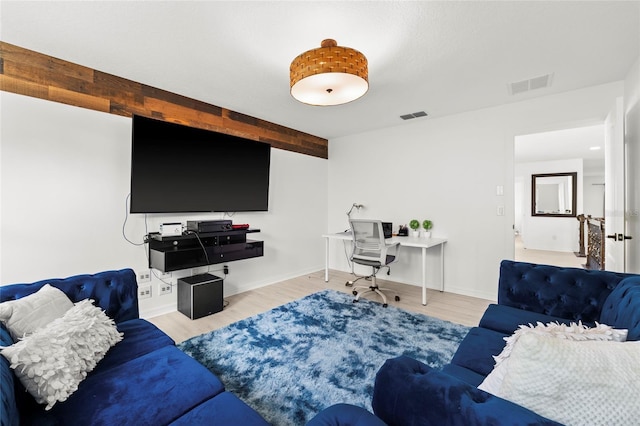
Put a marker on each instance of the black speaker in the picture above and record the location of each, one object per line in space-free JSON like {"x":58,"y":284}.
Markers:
{"x":200,"y":295}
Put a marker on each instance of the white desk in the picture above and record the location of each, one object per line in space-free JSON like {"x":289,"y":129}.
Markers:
{"x":422,"y":243}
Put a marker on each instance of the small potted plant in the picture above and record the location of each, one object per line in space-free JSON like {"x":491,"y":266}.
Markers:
{"x":414,"y":225}
{"x":427,"y":225}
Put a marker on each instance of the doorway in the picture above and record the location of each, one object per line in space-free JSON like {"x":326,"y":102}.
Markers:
{"x":554,"y":240}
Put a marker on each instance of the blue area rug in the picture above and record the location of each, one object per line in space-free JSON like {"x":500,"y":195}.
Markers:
{"x":291,"y":362}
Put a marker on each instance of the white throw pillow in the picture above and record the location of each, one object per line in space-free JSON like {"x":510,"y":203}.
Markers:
{"x":52,"y":361}
{"x":575,"y":383}
{"x":576,"y":332}
{"x":25,"y":315}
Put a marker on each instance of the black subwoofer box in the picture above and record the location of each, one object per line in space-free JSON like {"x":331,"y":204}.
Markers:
{"x":200,"y":295}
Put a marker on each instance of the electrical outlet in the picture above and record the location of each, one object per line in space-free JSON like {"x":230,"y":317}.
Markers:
{"x":163,"y":275}
{"x":164,"y":289}
{"x":144,"y":292}
{"x":144,"y":276}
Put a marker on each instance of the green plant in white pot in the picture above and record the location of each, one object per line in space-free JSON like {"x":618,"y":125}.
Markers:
{"x":414,"y":225}
{"x":427,"y":225}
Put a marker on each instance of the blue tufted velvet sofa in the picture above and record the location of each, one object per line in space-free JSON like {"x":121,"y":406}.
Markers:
{"x":409,"y":393}
{"x":143,"y":380}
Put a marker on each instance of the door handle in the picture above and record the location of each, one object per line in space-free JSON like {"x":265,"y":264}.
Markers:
{"x":619,"y":237}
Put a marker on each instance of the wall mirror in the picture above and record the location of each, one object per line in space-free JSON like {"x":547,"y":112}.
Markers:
{"x":554,"y":194}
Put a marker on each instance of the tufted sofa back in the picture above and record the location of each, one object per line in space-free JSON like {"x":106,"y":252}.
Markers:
{"x":622,"y":307}
{"x":571,"y":293}
{"x":113,"y":291}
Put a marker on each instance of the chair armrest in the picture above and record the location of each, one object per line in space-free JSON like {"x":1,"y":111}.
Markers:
{"x":395,"y":245}
{"x":408,"y":392}
{"x":394,"y":248}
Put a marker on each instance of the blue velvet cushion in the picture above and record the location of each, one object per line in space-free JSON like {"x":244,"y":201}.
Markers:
{"x":140,"y":338}
{"x":113,"y":291}
{"x":506,"y":319}
{"x":477,"y":349}
{"x":464,"y":374}
{"x":225,"y":409}
{"x":622,"y":307}
{"x":154,"y":389}
{"x":345,"y":415}
{"x":9,"y":415}
{"x":571,"y":293}
{"x":410,"y":393}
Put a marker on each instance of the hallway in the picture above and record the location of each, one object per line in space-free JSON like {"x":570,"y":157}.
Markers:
{"x":556,"y":258}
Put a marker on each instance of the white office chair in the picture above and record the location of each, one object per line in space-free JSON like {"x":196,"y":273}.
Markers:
{"x":371,"y":249}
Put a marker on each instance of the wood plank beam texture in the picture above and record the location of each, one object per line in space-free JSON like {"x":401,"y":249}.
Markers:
{"x":34,"y":74}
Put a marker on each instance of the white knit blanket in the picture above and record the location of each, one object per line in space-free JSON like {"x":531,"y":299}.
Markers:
{"x":575,"y":382}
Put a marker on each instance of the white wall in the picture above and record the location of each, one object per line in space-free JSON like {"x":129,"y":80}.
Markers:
{"x":549,"y":233}
{"x":593,"y":192}
{"x":65,"y":178}
{"x":447,"y":169}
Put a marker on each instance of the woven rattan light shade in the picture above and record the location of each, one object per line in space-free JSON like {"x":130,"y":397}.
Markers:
{"x":329,"y":75}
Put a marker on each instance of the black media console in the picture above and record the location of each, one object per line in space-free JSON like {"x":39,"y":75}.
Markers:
{"x":192,"y":249}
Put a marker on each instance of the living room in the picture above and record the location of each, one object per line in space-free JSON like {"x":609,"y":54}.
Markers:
{"x":468,"y":154}
{"x":66,"y":170}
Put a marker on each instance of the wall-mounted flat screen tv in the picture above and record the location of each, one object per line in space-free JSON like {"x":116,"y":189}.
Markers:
{"x":181,"y":169}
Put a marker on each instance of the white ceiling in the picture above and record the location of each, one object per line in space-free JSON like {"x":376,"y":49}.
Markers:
{"x":442,"y":57}
{"x":566,"y":144}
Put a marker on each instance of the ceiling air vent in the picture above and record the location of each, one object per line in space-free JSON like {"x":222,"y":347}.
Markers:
{"x":531,"y":84}
{"x":414,"y":115}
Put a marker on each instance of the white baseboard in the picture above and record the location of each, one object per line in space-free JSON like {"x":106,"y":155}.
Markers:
{"x":172,"y":307}
{"x":158,"y":310}
{"x":447,"y":288}
{"x":274,"y":279}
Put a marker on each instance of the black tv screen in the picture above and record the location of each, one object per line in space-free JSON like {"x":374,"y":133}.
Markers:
{"x":181,"y":169}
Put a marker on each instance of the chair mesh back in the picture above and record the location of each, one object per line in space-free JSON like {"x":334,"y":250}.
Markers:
{"x":368,"y":240}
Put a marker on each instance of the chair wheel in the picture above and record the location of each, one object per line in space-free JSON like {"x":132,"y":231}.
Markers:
{"x":355,"y":300}
{"x":397,"y":298}
{"x":385,"y":305}
{"x":355,"y":293}
{"x":348,"y":283}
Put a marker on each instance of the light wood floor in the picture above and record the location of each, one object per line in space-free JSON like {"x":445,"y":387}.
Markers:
{"x":556,"y":258}
{"x":448,"y":306}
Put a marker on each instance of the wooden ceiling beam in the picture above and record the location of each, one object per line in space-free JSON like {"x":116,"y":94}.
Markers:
{"x":34,"y":74}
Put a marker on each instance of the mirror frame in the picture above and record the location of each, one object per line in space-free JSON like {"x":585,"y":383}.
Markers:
{"x":574,"y":195}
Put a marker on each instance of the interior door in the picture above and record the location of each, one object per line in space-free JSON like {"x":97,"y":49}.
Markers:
{"x":632,"y":198}
{"x":614,"y":197}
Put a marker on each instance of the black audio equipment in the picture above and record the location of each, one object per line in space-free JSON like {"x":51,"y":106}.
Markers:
{"x":209,"y":225}
{"x":200,"y":295}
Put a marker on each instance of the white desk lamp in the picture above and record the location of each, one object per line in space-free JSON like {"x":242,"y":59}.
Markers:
{"x":354,"y":206}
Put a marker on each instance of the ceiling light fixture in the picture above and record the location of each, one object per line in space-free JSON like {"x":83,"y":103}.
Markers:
{"x":329,"y":75}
